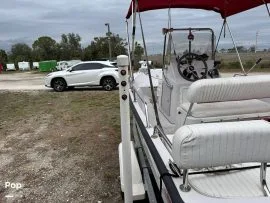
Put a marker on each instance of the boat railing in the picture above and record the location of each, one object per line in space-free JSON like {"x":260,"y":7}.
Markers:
{"x":145,"y":108}
{"x":158,"y":130}
{"x":263,"y":179}
{"x":146,"y":115}
{"x":164,"y":138}
{"x":166,"y":81}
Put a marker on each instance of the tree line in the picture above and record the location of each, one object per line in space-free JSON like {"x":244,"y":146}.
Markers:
{"x":69,"y":48}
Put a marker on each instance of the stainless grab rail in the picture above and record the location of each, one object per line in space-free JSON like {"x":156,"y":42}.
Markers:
{"x":146,"y":115}
{"x":166,"y":80}
{"x":158,"y":130}
{"x":145,"y":108}
{"x":164,"y":138}
{"x":263,"y":179}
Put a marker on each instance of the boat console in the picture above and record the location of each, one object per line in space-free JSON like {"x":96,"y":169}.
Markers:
{"x":189,"y":56}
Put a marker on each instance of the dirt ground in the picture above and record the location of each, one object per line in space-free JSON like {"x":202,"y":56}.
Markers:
{"x":59,"y":147}
{"x":22,"y":81}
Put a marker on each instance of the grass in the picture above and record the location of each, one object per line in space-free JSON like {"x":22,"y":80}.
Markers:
{"x":75,"y":132}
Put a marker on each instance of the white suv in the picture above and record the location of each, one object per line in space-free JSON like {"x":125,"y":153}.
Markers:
{"x":90,"y":73}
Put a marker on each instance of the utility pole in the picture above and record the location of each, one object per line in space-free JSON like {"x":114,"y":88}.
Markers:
{"x":109,"y":40}
{"x":256,"y":46}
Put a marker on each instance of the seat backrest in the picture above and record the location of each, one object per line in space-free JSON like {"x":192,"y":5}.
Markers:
{"x":219,"y":144}
{"x":229,"y":89}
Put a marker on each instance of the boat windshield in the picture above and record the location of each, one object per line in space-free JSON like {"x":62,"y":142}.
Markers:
{"x":201,"y":42}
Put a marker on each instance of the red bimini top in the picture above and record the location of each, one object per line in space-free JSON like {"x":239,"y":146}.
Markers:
{"x":224,"y":7}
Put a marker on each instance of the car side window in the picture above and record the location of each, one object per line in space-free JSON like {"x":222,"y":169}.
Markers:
{"x":88,"y":66}
{"x":95,"y":66}
{"x":78,"y":67}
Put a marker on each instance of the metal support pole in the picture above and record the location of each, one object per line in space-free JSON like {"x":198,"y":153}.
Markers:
{"x":223,"y":27}
{"x":164,"y":52}
{"x":131,"y":79}
{"x":188,"y":112}
{"x":122,"y":62}
{"x":185,"y":187}
{"x":256,"y":46}
{"x":129,"y":55}
{"x":149,"y":74}
{"x":146,"y":115}
{"x":267,"y":8}
{"x":134,"y":15}
{"x":109,"y":40}
{"x":263,"y":179}
{"x":238,"y":55}
{"x":164,"y":138}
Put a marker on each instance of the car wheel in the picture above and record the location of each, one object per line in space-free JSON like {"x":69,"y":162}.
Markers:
{"x":59,"y":84}
{"x":108,"y":83}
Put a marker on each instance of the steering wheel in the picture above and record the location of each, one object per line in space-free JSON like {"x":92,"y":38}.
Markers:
{"x":192,"y":66}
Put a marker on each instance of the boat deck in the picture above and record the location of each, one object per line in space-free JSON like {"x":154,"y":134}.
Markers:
{"x":233,"y":184}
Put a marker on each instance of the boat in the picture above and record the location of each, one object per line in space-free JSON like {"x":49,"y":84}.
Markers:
{"x":188,"y":134}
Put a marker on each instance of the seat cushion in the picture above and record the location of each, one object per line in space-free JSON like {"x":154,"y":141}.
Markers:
{"x":219,"y":109}
{"x":219,"y":144}
{"x":229,"y":89}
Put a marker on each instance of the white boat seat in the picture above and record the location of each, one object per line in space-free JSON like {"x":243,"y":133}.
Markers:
{"x":220,"y":109}
{"x":229,"y":99}
{"x":219,"y":144}
{"x":229,"y":89}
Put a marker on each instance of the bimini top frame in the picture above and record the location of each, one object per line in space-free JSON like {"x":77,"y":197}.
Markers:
{"x":226,"y":8}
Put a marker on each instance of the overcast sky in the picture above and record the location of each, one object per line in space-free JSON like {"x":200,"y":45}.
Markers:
{"x":26,"y":20}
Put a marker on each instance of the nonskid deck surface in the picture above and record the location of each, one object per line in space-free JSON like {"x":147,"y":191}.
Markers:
{"x":232,"y":184}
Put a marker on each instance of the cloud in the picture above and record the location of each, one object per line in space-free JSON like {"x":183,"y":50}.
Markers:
{"x":26,"y":20}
